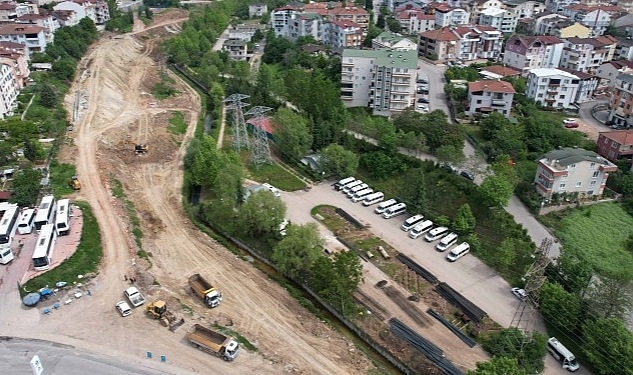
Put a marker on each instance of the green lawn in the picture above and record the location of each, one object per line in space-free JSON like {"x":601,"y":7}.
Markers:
{"x":276,"y":176}
{"x":177,"y":123}
{"x":598,"y":234}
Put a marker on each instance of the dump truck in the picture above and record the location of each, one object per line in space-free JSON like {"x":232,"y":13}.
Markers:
{"x":140,"y":148}
{"x":74,"y":183}
{"x":158,"y":310}
{"x":205,"y":290}
{"x":213,"y":342}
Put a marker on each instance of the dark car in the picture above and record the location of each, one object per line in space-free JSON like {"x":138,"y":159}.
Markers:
{"x":468,"y":175}
{"x":423,"y":91}
{"x":422,"y":81}
{"x":423,"y":100}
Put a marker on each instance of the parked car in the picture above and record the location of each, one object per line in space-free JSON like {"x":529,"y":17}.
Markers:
{"x":423,"y":91}
{"x":422,"y":107}
{"x":422,"y":81}
{"x":123,"y":308}
{"x":423,"y":100}
{"x":467,"y":174}
{"x":570,"y":123}
{"x":519,"y":293}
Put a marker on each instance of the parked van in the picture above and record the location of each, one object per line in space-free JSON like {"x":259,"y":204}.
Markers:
{"x":384,"y":205}
{"x":420,"y":229}
{"x":436,"y":233}
{"x":411,"y":222}
{"x":350,"y":193}
{"x":395,"y":210}
{"x":351,"y":185}
{"x":360,"y":195}
{"x":447,"y":242}
{"x":373,"y":198}
{"x":339,"y":185}
{"x":458,"y":252}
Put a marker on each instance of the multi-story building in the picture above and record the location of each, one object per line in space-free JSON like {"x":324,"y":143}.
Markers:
{"x":102,"y":13}
{"x":587,"y":54}
{"x":8,"y":91}
{"x":15,"y":56}
{"x":237,"y":49}
{"x":415,"y":21}
{"x":532,"y":52}
{"x":524,"y":9}
{"x":501,"y":19}
{"x":475,"y":7}
{"x":586,"y":87}
{"x":348,"y":13}
{"x":280,"y":19}
{"x":616,"y":145}
{"x":572,"y":171}
{"x":30,"y":35}
{"x":557,"y":25}
{"x":597,"y":18}
{"x":449,"y":16}
{"x":305,"y":24}
{"x":382,"y":80}
{"x":257,"y":10}
{"x":8,"y":12}
{"x":499,"y":72}
{"x":245,"y":31}
{"x":623,"y":49}
{"x":97,"y":11}
{"x":393,"y":41}
{"x":612,"y":69}
{"x":343,"y":34}
{"x":48,"y":22}
{"x":552,"y":88}
{"x":65,"y":17}
{"x":621,"y":103}
{"x":465,"y":42}
{"x":489,"y":96}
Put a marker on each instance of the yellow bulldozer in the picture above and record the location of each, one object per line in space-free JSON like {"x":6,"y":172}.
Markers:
{"x":158,"y":310}
{"x":74,"y":183}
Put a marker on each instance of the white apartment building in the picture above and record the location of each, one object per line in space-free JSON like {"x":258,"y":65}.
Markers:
{"x":30,"y":35}
{"x":501,"y":19}
{"x":532,"y":52}
{"x":415,"y":21}
{"x":280,"y":18}
{"x":448,"y":16}
{"x":382,"y":80}
{"x":596,"y":18}
{"x":552,"y":88}
{"x":393,"y":41}
{"x":8,"y":91}
{"x":304,"y":24}
{"x":587,"y":54}
{"x":489,"y":96}
{"x":342,"y":34}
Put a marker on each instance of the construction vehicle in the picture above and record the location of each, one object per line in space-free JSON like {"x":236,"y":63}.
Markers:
{"x":158,"y":310}
{"x":213,"y":342}
{"x":74,"y":183}
{"x":140,"y":148}
{"x":205,"y":290}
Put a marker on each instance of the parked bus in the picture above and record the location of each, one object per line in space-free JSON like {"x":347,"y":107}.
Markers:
{"x":8,"y":226}
{"x":44,"y":247}
{"x":45,"y":212}
{"x":25,"y":224}
{"x":562,"y":354}
{"x":62,"y":218}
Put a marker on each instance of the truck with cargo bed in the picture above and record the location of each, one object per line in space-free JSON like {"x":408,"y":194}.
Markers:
{"x":205,"y":290}
{"x":213,"y":342}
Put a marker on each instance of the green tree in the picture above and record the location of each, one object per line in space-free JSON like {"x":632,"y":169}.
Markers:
{"x":450,"y":154}
{"x":610,"y":297}
{"x":228,"y":193}
{"x":30,"y":150}
{"x":496,"y":190}
{"x":559,"y":307}
{"x":335,"y":159}
{"x":608,"y":346}
{"x":506,"y":253}
{"x":464,"y":222}
{"x":498,"y":366}
{"x":572,"y":272}
{"x":26,"y":187}
{"x":205,"y":161}
{"x":511,"y":343}
{"x":48,"y":96}
{"x":261,"y":214}
{"x":349,"y":273}
{"x":413,"y":190}
{"x":490,"y":126}
{"x":292,"y":135}
{"x":297,"y":252}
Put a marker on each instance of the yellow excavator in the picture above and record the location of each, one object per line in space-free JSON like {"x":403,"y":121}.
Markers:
{"x":158,"y":310}
{"x":74,"y":183}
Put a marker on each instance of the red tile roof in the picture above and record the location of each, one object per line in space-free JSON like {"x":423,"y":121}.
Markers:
{"x":7,"y":6}
{"x":623,"y":137}
{"x":262,"y":122}
{"x":503,"y":71}
{"x":346,"y":23}
{"x":20,"y":29}
{"x":444,"y":34}
{"x":491,"y":86}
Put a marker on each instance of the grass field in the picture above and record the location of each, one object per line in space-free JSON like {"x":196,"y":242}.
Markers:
{"x":276,"y":176}
{"x":598,"y":234}
{"x":177,"y":123}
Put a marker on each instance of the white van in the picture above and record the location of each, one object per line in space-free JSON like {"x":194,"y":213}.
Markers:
{"x":360,"y":195}
{"x":411,"y":222}
{"x":356,"y":189}
{"x":384,"y":205}
{"x":373,"y":198}
{"x":420,"y":229}
{"x":458,"y":252}
{"x":395,"y":210}
{"x":339,"y":185}
{"x":436,"y":233}
{"x":351,"y":185}
{"x":447,"y":242}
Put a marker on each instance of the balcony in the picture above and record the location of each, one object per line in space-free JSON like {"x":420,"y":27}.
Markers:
{"x":550,"y":100}
{"x":552,"y":92}
{"x":498,"y":103}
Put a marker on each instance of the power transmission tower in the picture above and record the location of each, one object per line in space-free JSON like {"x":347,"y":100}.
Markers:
{"x":260,"y":152}
{"x":240,"y":135}
{"x":525,"y":315}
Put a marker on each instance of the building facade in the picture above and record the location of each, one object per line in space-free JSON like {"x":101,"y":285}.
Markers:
{"x":533,"y":52}
{"x":587,"y":54}
{"x":616,"y":145}
{"x":465,"y":43}
{"x":552,"y":88}
{"x":30,"y":35}
{"x":487,"y":96}
{"x":621,"y":102}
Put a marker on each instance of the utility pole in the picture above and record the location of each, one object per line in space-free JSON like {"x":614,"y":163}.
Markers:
{"x":260,"y":152}
{"x":240,"y":134}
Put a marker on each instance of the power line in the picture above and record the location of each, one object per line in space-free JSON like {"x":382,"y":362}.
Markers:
{"x":240,"y":135}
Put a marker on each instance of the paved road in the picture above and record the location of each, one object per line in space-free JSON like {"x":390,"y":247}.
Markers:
{"x":434,"y":74}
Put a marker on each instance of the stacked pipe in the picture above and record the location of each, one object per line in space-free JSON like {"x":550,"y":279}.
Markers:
{"x":426,"y":275}
{"x":461,"y":335}
{"x":453,"y":297}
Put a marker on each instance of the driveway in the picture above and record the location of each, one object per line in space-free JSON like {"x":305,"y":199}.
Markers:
{"x":434,"y":74}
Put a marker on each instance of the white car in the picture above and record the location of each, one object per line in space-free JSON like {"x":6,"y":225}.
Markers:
{"x":422,"y":107}
{"x":134,"y":296}
{"x":272,"y":189}
{"x":519,"y":293}
{"x":283,"y":226}
{"x":124,"y":308}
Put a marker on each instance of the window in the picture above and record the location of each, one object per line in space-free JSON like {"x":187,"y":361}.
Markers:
{"x":592,"y":166}
{"x":595,"y":174}
{"x":562,"y":97}
{"x":593,"y":183}
{"x":540,"y":95}
{"x":478,"y":101}
{"x":614,"y":144}
{"x":563,"y":178}
{"x":578,"y":184}
{"x":561,"y":186}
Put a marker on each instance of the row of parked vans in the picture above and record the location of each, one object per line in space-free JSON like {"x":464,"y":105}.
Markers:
{"x":358,"y":191}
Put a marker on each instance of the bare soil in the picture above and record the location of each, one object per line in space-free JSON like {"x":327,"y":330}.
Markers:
{"x":117,"y":77}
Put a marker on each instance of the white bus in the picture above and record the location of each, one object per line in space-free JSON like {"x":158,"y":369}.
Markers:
{"x":25,"y":224}
{"x":45,"y":212}
{"x":62,"y":218}
{"x":562,"y":354}
{"x":8,"y":226}
{"x":44,"y":247}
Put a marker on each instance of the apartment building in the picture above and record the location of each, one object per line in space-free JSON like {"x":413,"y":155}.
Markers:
{"x":237,"y":49}
{"x":97,"y":11}
{"x":245,"y":31}
{"x":15,"y":56}
{"x":587,"y":54}
{"x":30,"y":35}
{"x":449,"y":16}
{"x":8,"y":91}
{"x":616,"y":145}
{"x":393,"y":41}
{"x":500,"y":19}
{"x":475,"y":7}
{"x":487,"y":96}
{"x":382,"y":80}
{"x":280,"y":19}
{"x":343,"y":34}
{"x":464,"y":42}
{"x":587,"y":85}
{"x":305,"y":24}
{"x":47,"y":21}
{"x":596,"y":18}
{"x":524,"y":9}
{"x":621,"y":102}
{"x":623,"y":49}
{"x":552,"y":88}
{"x":349,"y":13}
{"x":608,"y":71}
{"x":572,"y":171}
{"x":257,"y":10}
{"x":533,"y":52}
{"x":414,"y":21}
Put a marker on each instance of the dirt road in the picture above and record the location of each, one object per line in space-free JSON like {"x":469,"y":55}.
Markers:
{"x":121,"y":112}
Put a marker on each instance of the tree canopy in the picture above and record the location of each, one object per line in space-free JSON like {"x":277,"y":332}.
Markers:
{"x":298,"y":250}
